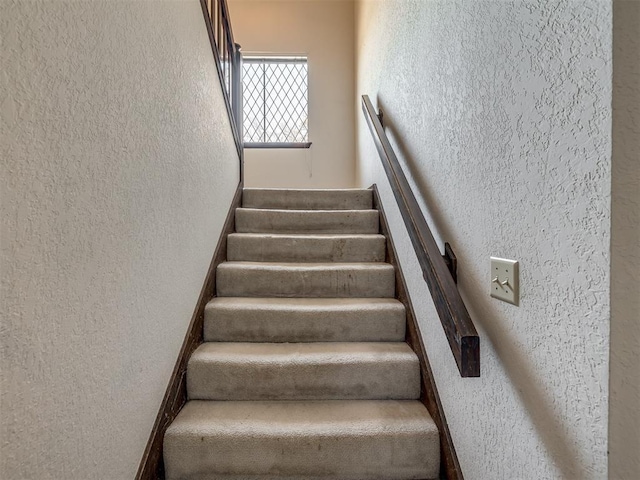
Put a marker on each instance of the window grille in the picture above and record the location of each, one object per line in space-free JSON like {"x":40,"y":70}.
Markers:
{"x":275,"y":100}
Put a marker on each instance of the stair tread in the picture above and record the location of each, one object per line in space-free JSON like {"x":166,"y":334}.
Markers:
{"x":248,"y":191}
{"x":306,"y":191}
{"x":307,"y":265}
{"x":308,"y":417}
{"x":305,"y":235}
{"x":298,"y":353}
{"x":335,"y":304}
{"x":314,"y":198}
{"x":310,"y":211}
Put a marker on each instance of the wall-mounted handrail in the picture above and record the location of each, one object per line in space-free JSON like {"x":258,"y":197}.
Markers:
{"x":458,"y":326}
{"x":228,"y":57}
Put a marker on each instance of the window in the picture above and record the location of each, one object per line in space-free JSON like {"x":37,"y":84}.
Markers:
{"x":275,"y":106}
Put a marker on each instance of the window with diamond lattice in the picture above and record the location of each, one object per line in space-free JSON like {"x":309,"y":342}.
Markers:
{"x":275,"y":100}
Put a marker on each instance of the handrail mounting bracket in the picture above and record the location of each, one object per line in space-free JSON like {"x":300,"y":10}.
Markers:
{"x":451,"y":261}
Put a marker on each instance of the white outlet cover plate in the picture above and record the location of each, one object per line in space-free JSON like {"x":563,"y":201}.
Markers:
{"x":505,"y":270}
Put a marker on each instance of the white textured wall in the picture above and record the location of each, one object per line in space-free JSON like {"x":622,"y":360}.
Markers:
{"x":501,"y":111}
{"x":624,"y":404}
{"x":118,"y":166}
{"x":324,"y":31}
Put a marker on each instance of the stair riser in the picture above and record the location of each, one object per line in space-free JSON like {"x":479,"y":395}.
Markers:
{"x":331,"y":440}
{"x":396,"y":379}
{"x":296,"y":221}
{"x":308,"y":199}
{"x":341,"y":458}
{"x":384,"y":324}
{"x":305,"y":282}
{"x":264,"y":248}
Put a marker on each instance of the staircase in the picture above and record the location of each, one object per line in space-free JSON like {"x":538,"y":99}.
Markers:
{"x":304,"y":372}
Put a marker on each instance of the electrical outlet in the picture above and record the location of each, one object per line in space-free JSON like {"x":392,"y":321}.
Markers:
{"x":504,"y":280}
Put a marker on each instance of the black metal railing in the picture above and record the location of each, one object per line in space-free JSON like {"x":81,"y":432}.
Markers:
{"x":228,"y":58}
{"x":439,"y":271}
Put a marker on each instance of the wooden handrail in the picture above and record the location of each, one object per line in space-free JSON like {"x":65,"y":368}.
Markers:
{"x":458,"y":326}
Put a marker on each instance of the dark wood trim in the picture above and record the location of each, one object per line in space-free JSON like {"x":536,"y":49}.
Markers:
{"x":458,"y":326}
{"x":152,"y":465}
{"x":449,"y":465}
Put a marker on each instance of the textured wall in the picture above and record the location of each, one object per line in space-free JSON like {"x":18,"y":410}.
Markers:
{"x":624,"y":403}
{"x":117,"y":168}
{"x":501,"y":112}
{"x":324,"y":31}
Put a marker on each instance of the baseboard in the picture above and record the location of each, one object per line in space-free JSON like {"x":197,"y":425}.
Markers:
{"x":152,"y":465}
{"x":449,"y":465}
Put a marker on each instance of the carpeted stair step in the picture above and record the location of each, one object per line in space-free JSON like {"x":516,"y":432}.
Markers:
{"x":253,"y":220}
{"x":303,"y":371}
{"x":247,"y":319}
{"x":265,"y":279}
{"x":350,"y":199}
{"x":302,"y":440}
{"x":266,"y":247}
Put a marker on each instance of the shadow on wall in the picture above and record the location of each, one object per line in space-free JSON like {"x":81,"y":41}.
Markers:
{"x":624,"y":417}
{"x":521,"y":373}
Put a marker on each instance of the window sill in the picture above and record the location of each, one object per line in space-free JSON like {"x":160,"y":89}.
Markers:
{"x":277,"y":145}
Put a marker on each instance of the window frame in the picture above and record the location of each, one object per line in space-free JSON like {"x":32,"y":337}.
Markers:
{"x":276,"y":59}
